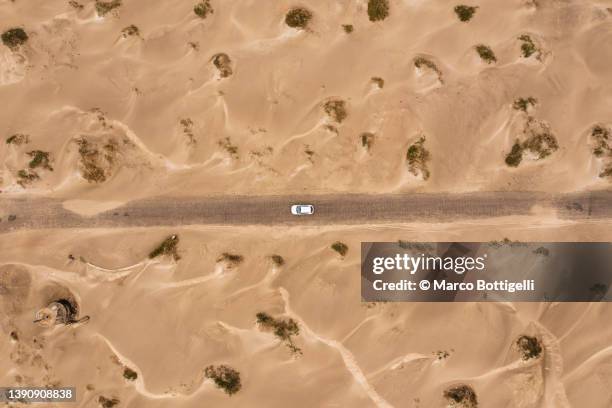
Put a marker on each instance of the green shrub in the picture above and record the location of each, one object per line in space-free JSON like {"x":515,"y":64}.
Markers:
{"x":76,"y":5}
{"x":105,"y":402}
{"x":14,"y":37}
{"x":529,"y":347}
{"x":231,"y":259}
{"x":465,"y":13}
{"x":348,"y":28}
{"x":278,"y":260}
{"x":283,"y":329}
{"x":224,"y":377}
{"x":18,"y":139}
{"x":130,"y":31}
{"x":223,"y":63}
{"x":26,"y":177}
{"x":340,"y":247}
{"x":378,"y":10}
{"x":417,"y":157}
{"x":602,"y":138}
{"x":486,"y":53}
{"x":203,"y":9}
{"x":298,"y":17}
{"x":463,"y":395}
{"x":169,"y":246}
{"x":514,"y":158}
{"x":335,"y":109}
{"x":105,"y":7}
{"x":528,"y":47}
{"x":129,"y":374}
{"x":39,"y":159}
{"x":227,"y":145}
{"x":522,"y":104}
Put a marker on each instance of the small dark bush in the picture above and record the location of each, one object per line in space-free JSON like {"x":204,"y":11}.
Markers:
{"x":14,"y":37}
{"x":108,"y":402}
{"x":523,"y":104}
{"x":18,"y":139}
{"x":602,"y":137}
{"x":529,"y":347}
{"x":232,"y":259}
{"x":26,"y":177}
{"x":130,"y":31}
{"x":105,"y":7}
{"x":39,"y":159}
{"x":203,"y":9}
{"x":76,"y":5}
{"x":379,"y":82}
{"x":607,"y":172}
{"x":224,"y":377}
{"x":336,"y":109}
{"x":367,"y":140}
{"x":340,"y":247}
{"x":167,"y":247}
{"x":223,"y":63}
{"x":378,"y":10}
{"x":465,"y":13}
{"x":528,"y":47}
{"x":226,"y":144}
{"x":298,"y":17}
{"x":417,"y":158}
{"x":283,"y":329}
{"x":348,"y":28}
{"x":278,"y":260}
{"x":462,"y":394}
{"x":514,"y":158}
{"x":129,"y":374}
{"x":486,"y":53}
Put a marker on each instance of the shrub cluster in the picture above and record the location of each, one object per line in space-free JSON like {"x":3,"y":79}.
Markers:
{"x":203,"y":9}
{"x":486,"y":53}
{"x":298,"y":17}
{"x":523,"y":104}
{"x":283,"y":329}
{"x":336,"y":109}
{"x":540,"y":141}
{"x":417,"y":158}
{"x":340,"y":247}
{"x":465,"y":13}
{"x":462,"y":396}
{"x":14,"y":37}
{"x":168,"y":247}
{"x":224,"y":377}
{"x":223,"y":63}
{"x":529,"y":347}
{"x":378,"y":10}
{"x":105,"y":7}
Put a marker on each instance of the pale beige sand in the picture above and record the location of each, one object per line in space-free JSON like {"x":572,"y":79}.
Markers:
{"x":169,"y":320}
{"x":270,"y":108}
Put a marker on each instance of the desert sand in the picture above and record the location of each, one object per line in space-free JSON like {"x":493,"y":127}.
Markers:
{"x":148,"y":82}
{"x":167,"y":320}
{"x":105,"y":102}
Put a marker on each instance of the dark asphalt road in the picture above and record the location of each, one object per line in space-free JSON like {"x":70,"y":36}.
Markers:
{"x":38,"y":213}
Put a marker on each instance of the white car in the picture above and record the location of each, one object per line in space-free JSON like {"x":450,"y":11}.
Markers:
{"x":302,"y":209}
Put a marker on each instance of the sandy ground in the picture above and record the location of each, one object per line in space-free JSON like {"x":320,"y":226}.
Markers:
{"x":168,"y":320}
{"x":181,"y":127}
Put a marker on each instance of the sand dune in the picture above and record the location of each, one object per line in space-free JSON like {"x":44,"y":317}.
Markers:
{"x":166,"y":320}
{"x":255,"y":120}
